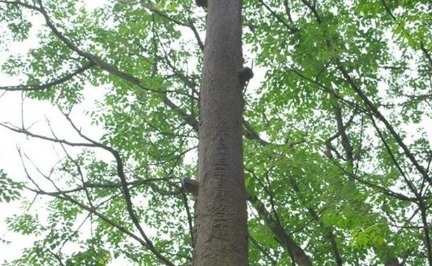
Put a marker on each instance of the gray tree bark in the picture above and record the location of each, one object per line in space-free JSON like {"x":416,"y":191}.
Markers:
{"x":221,"y":215}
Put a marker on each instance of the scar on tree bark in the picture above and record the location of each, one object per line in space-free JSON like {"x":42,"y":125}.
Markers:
{"x":245,"y":74}
{"x":190,"y":186}
{"x":201,"y":3}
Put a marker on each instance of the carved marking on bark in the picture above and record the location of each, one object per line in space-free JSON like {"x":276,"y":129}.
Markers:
{"x":219,"y":226}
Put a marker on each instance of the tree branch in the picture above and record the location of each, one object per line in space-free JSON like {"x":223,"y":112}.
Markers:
{"x":48,"y":85}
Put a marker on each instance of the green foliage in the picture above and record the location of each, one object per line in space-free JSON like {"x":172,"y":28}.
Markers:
{"x":10,"y":189}
{"x":36,"y":255}
{"x":25,"y":224}
{"x":89,"y":258}
{"x":336,"y":147}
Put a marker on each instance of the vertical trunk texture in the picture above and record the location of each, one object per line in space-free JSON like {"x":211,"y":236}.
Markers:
{"x":221,"y":216}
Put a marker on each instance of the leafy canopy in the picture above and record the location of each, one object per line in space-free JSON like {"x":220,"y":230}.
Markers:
{"x":337,"y":147}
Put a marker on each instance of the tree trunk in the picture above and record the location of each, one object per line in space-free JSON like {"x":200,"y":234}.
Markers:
{"x":221,"y":216}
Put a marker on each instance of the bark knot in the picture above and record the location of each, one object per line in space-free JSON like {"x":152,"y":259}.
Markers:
{"x":245,"y":74}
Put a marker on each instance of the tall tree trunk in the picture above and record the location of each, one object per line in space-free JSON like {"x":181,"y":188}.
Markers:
{"x":221,"y":216}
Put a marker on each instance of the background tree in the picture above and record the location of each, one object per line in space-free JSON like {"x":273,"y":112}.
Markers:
{"x":336,"y":146}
